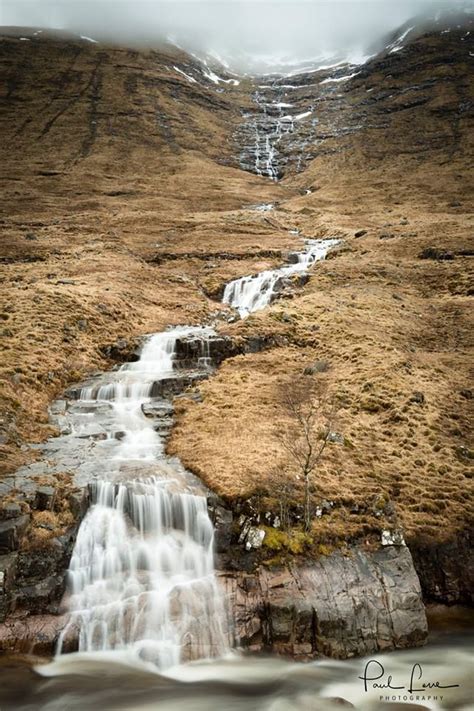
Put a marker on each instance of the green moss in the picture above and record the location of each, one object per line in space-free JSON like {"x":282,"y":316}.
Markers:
{"x":293,"y":541}
{"x":324,"y":549}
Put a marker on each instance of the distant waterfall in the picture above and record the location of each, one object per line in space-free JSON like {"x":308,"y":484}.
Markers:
{"x":142,"y":574}
{"x":269,"y":125}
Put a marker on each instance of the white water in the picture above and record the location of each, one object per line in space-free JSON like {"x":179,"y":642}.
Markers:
{"x":269,"y":126}
{"x":251,"y":293}
{"x":141,"y":575}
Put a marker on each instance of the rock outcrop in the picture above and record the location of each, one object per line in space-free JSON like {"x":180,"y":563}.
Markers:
{"x":337,"y":606}
{"x":446,"y":570}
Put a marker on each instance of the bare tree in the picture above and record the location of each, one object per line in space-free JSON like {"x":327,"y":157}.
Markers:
{"x":311,"y":412}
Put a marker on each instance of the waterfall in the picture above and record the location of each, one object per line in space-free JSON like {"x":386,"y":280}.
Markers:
{"x":252,"y":293}
{"x":141,"y":574}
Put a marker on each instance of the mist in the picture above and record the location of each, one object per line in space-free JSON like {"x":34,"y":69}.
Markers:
{"x":247,"y":34}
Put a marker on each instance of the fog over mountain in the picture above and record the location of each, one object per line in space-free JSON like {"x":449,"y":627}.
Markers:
{"x":248,"y":34}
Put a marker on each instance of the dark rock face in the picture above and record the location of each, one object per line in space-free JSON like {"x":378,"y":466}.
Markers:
{"x":122,"y":350}
{"x":191,"y":351}
{"x":337,"y":606}
{"x":11,"y":531}
{"x":446,"y":570}
{"x":33,"y":581}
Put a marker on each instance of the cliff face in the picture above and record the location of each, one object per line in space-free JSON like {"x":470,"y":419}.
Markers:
{"x":337,"y":606}
{"x":130,"y":198}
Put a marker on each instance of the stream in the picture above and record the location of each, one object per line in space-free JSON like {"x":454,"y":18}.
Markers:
{"x":119,"y":680}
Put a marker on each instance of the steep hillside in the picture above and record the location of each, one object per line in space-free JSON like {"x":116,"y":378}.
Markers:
{"x":129,"y":200}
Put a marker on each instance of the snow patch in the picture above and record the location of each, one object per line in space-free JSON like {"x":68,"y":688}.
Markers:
{"x":88,"y":39}
{"x":216,"y":79}
{"x":338,"y":79}
{"x":398,"y":44}
{"x":189,"y":78}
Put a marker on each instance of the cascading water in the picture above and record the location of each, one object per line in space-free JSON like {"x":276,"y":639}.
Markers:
{"x":251,"y":293}
{"x":268,"y":126}
{"x":141,"y":574}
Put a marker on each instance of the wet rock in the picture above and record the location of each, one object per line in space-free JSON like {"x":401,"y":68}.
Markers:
{"x":8,"y":566}
{"x":446,"y":569}
{"x":292,"y":257}
{"x":463,"y":452}
{"x":11,"y":532}
{"x":168,"y":387}
{"x":41,"y":596}
{"x":160,"y":408}
{"x":121,"y":351}
{"x":222,"y":519}
{"x":195,"y":396}
{"x":193,"y":351}
{"x":58,"y":407}
{"x":37,"y":634}
{"x":78,"y":503}
{"x":320,"y":608}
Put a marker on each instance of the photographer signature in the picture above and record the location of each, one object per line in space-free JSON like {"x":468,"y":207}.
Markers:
{"x":374,"y":678}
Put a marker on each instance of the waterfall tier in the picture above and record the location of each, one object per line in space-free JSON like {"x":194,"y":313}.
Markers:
{"x":252,"y":293}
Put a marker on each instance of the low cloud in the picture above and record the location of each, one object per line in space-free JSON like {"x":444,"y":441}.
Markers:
{"x":250,"y":33}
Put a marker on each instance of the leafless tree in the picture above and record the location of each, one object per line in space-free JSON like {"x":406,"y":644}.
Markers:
{"x":310,"y":412}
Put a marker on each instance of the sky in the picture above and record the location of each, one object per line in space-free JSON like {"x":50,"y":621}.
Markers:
{"x":243,"y":31}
